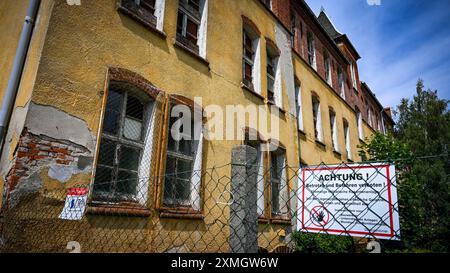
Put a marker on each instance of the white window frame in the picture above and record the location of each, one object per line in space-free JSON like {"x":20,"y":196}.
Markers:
{"x":298,"y":105}
{"x":311,"y":46}
{"x":341,"y":82}
{"x":334,"y":132}
{"x":360,"y":125}
{"x":353,"y":74}
{"x":201,"y":22}
{"x":318,"y":122}
{"x":327,"y":64}
{"x":348,"y":147}
{"x":256,"y":62}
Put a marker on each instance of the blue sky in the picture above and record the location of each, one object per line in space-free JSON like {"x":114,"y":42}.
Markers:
{"x":398,"y":40}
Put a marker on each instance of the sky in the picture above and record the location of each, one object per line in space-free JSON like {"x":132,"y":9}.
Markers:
{"x":399,"y":41}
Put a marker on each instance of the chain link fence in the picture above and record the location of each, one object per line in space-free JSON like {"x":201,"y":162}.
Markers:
{"x":239,"y":207}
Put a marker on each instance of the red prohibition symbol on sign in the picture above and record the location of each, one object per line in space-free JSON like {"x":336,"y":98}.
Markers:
{"x":319,"y":216}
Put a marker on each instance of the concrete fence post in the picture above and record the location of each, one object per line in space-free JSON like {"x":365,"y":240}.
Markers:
{"x":243,"y":209}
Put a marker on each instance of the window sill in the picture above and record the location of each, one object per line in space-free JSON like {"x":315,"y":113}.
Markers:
{"x":321,"y":144}
{"x":337,"y":153}
{"x":121,"y":209}
{"x":280,"y":221}
{"x":301,"y":132}
{"x":253,"y":92}
{"x":263,"y":220}
{"x":180,"y":213}
{"x":192,"y":53}
{"x":142,"y":21}
{"x":278,"y":107}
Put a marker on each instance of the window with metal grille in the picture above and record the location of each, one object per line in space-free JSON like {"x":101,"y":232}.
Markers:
{"x":179,"y":167}
{"x":271,"y":71}
{"x":277,"y":167}
{"x":252,"y":139}
{"x":248,"y":60}
{"x":127,"y":115}
{"x":311,"y":50}
{"x":188,"y":24}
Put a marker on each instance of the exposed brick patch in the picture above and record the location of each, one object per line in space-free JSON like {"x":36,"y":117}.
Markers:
{"x":35,"y":151}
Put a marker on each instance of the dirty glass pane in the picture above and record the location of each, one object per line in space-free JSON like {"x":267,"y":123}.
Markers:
{"x":274,"y":171}
{"x":107,"y":152}
{"x":184,"y":169}
{"x":135,"y":108}
{"x":183,"y":191}
{"x":129,"y":158}
{"x":103,"y":178}
{"x":127,"y":183}
{"x":275,"y":196}
{"x":112,"y":112}
{"x":132,"y":129}
{"x":171,"y":144}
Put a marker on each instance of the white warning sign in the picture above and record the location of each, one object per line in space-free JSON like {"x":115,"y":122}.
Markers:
{"x":75,"y":204}
{"x":357,"y":200}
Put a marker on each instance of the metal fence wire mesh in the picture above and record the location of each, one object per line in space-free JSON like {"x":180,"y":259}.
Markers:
{"x":209,"y":211}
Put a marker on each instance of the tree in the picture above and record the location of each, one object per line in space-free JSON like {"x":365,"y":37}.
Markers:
{"x":420,"y":140}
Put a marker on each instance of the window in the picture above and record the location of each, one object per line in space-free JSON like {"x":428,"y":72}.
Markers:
{"x":353,"y":74}
{"x":253,"y":139}
{"x":311,"y":51}
{"x":126,"y":135}
{"x":191,"y":25}
{"x":278,"y":184}
{"x":347,"y":140}
{"x":251,"y":60}
{"x":150,"y":12}
{"x":327,"y":66}
{"x":271,"y":73}
{"x":317,"y":119}
{"x":183,"y":157}
{"x":341,"y":83}
{"x":333,"y":128}
{"x":359,"y":122}
{"x":369,"y":117}
{"x":298,"y":105}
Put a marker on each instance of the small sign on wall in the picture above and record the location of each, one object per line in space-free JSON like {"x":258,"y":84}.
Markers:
{"x":75,"y":205}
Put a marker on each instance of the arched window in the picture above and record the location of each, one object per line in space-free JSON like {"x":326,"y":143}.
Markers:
{"x":279,"y":193}
{"x":359,"y":123}
{"x":254,"y":139}
{"x":333,"y":129}
{"x":183,"y":155}
{"x":126,"y":149}
{"x":347,"y":139}
{"x":317,"y":118}
{"x":251,"y":56}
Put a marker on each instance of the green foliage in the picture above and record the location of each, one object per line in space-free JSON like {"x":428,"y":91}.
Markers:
{"x":422,"y":136}
{"x":322,"y":243}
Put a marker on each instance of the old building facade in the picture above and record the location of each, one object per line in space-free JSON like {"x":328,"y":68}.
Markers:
{"x":101,"y":80}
